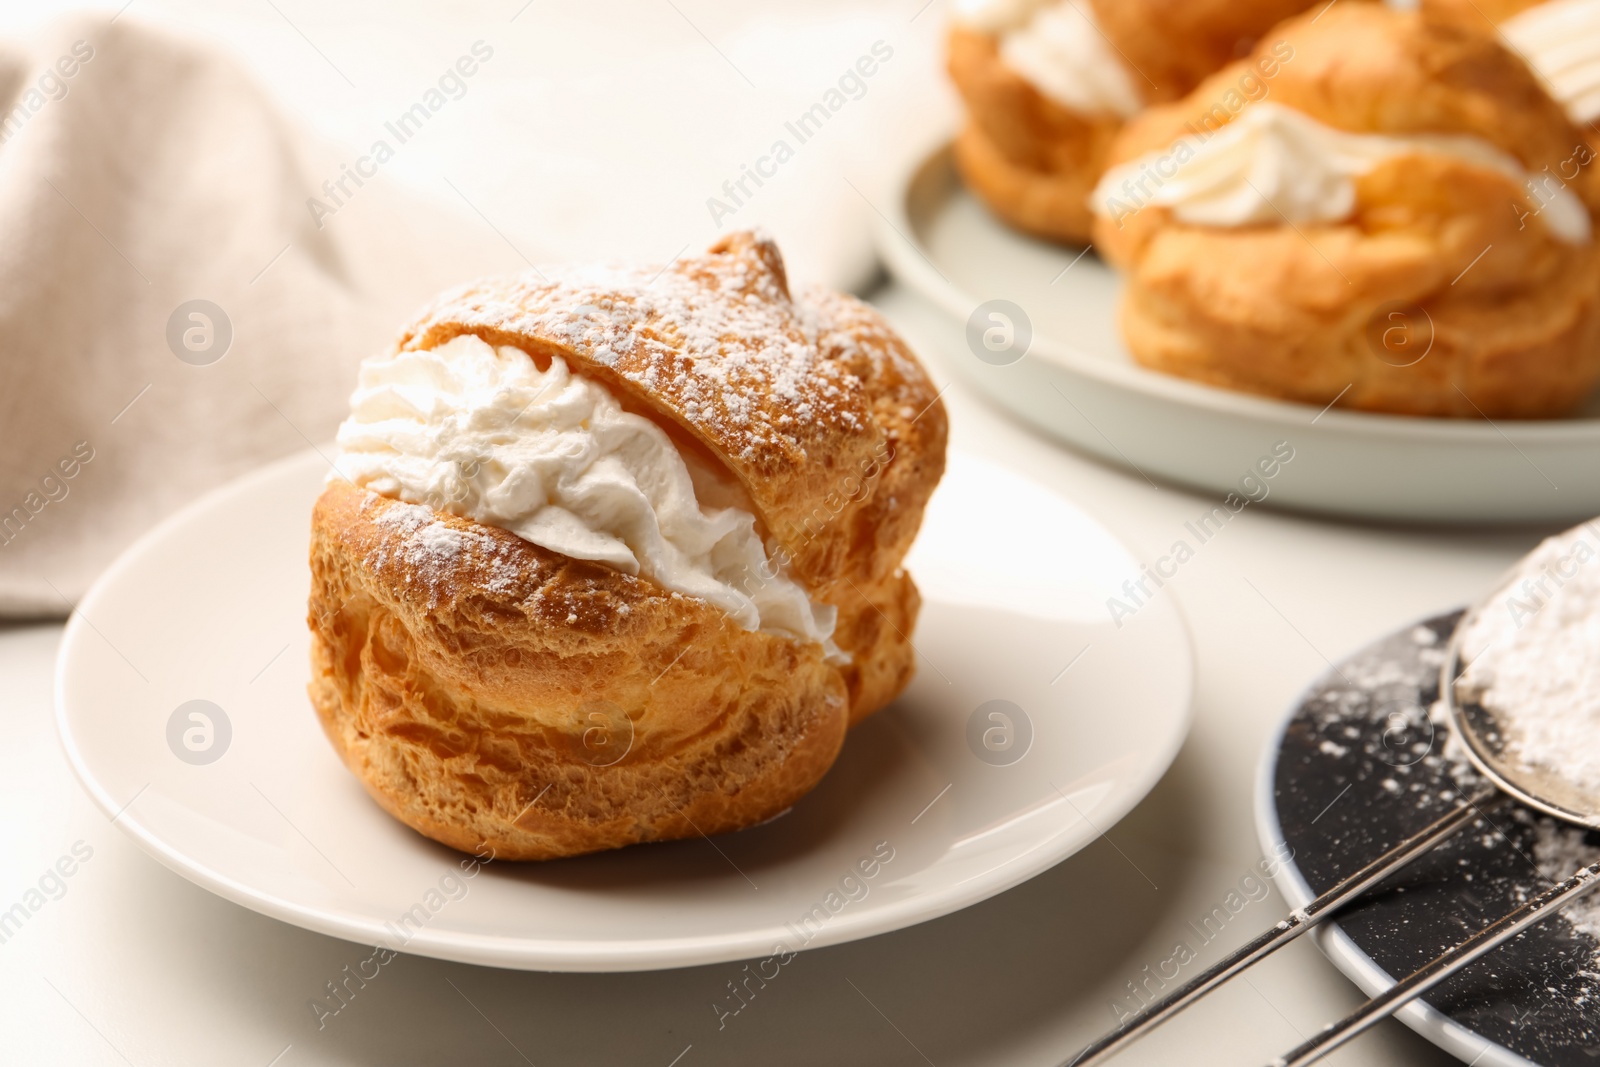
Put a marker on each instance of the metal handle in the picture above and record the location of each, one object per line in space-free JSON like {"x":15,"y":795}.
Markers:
{"x":1501,"y":930}
{"x":1298,"y":923}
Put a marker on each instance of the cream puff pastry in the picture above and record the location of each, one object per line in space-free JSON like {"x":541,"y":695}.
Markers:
{"x":615,"y":555}
{"x":1048,"y":83}
{"x":1373,"y":234}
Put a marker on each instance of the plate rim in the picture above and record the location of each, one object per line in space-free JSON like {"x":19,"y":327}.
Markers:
{"x":1435,"y":1026}
{"x":908,"y":259}
{"x":577,"y":956}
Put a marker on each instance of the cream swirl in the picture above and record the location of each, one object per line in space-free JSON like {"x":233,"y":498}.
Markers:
{"x":554,"y":458}
{"x":1274,"y":163}
{"x":1059,"y":49}
{"x":1561,"y":42}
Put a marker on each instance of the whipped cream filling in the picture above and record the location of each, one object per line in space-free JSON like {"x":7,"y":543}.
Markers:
{"x":1274,"y":163}
{"x":552,"y":457}
{"x":1060,"y":50}
{"x":1561,"y":42}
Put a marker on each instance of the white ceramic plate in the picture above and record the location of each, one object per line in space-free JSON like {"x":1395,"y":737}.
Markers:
{"x":1078,"y":384}
{"x":210,"y":606}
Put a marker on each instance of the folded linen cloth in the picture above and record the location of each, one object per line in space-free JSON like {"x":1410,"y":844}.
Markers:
{"x":170,"y":314}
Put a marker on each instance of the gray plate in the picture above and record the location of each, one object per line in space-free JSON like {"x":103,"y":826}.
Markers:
{"x":1074,"y":381}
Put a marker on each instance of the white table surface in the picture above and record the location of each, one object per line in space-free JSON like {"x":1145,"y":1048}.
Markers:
{"x":134,"y":965}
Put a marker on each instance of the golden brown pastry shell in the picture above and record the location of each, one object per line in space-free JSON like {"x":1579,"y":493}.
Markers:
{"x":508,"y":698}
{"x":1482,"y":15}
{"x":1031,"y":160}
{"x":1172,"y":45}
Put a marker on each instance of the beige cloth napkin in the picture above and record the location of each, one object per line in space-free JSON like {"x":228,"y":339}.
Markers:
{"x":170,"y":315}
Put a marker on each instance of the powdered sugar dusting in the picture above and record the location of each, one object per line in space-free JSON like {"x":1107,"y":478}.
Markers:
{"x":717,"y":334}
{"x":1531,"y":654}
{"x":1369,"y":707}
{"x":1561,"y":851}
{"x":431,"y":550}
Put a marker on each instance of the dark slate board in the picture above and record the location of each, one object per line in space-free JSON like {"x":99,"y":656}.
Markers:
{"x":1361,"y":765}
